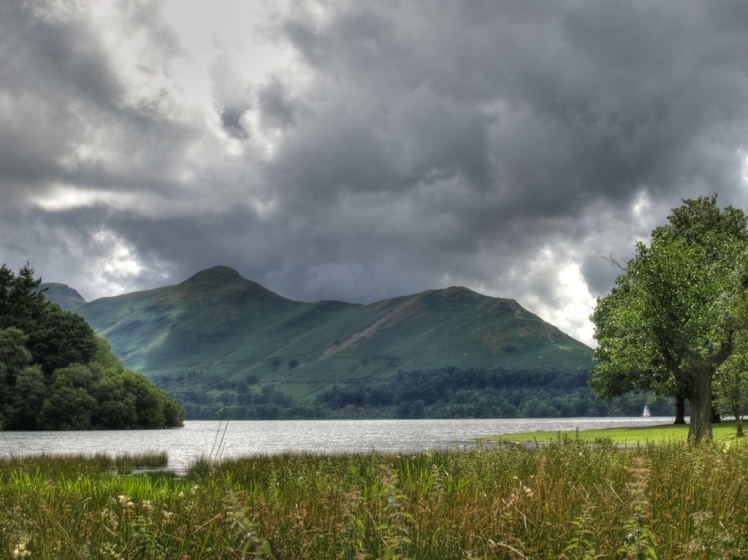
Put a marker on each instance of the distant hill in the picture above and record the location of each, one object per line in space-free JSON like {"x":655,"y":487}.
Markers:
{"x":218,"y":336}
{"x":67,"y":298}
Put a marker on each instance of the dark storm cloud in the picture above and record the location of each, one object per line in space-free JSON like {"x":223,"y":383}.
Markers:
{"x":276,"y":108}
{"x":39,"y":64}
{"x":506,"y":146}
{"x":582,"y":101}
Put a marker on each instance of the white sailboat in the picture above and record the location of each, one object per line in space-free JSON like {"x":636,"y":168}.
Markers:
{"x":646,"y":411}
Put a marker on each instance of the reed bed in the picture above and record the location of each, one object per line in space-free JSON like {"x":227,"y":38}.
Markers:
{"x":568,"y":500}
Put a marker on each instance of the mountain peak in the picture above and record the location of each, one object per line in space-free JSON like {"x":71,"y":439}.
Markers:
{"x":215,"y":274}
{"x":224,"y":281}
{"x":67,"y":298}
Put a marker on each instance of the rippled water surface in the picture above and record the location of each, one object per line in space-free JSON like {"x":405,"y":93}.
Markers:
{"x":236,"y":438}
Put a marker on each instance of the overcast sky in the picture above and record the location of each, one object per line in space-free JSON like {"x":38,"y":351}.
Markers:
{"x":361,"y":150}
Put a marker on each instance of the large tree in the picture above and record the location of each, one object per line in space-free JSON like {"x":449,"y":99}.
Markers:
{"x":672,"y":317}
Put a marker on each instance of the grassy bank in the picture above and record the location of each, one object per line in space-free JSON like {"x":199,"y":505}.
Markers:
{"x":724,"y":431}
{"x":570,"y":499}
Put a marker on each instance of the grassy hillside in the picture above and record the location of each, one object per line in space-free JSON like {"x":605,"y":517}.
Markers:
{"x":218,"y":325}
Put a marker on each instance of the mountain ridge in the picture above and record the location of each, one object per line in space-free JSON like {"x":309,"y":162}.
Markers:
{"x":227,"y":327}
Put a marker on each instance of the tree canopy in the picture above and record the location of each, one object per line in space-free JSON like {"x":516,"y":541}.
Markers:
{"x":56,"y":373}
{"x":672,"y":318}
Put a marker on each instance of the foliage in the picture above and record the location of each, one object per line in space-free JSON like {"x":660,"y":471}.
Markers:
{"x":731,"y":379}
{"x":61,"y":338}
{"x":671,"y":319}
{"x":56,"y":373}
{"x":471,"y":393}
{"x":443,"y":393}
{"x":569,"y":499}
{"x":731,"y":388}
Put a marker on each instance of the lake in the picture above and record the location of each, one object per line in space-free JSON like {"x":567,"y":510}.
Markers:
{"x":246,"y":437}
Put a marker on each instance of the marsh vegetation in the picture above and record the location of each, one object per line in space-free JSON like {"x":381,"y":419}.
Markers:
{"x":570,"y":499}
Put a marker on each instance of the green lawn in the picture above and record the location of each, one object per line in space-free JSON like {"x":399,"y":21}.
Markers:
{"x":645,"y":434}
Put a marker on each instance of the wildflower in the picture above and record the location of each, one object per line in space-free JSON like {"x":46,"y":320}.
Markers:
{"x":20,"y":551}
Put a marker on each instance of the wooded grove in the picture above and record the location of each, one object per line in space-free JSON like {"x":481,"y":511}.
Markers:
{"x":56,"y":373}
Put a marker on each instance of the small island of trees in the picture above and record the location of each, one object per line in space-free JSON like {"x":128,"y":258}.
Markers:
{"x":57,"y":374}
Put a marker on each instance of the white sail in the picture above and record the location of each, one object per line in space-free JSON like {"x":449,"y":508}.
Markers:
{"x":646,"y":411}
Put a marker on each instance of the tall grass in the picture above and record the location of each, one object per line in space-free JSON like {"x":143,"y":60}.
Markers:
{"x":567,"y":500}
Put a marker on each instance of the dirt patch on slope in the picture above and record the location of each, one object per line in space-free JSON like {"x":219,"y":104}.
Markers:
{"x":406,"y":310}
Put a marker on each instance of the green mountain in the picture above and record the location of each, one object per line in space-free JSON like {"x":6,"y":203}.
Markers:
{"x":219,"y":326}
{"x":67,"y":298}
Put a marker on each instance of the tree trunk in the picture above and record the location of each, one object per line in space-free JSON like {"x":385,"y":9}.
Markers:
{"x":700,"y":428}
{"x":680,"y":409}
{"x":739,"y":422}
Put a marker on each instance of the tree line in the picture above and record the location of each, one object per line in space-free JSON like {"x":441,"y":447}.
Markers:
{"x":448,"y":392}
{"x":452,"y":392}
{"x":56,"y":373}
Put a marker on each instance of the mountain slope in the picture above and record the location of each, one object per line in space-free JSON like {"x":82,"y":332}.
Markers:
{"x":65,"y":296}
{"x":222,"y":324}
